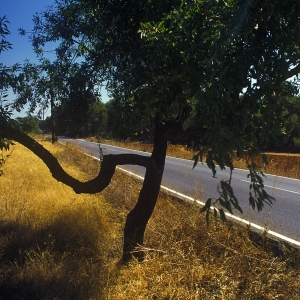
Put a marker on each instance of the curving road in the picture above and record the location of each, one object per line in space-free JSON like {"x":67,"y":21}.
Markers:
{"x":283,"y":218}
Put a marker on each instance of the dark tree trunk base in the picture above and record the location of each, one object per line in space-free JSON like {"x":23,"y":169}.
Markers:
{"x":138,"y":218}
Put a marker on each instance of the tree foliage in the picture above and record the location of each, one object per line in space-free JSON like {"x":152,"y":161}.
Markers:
{"x":6,"y":80}
{"x":235,"y":68}
{"x":28,"y":124}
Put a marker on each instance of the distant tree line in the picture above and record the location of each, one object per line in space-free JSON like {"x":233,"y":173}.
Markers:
{"x":112,"y":120}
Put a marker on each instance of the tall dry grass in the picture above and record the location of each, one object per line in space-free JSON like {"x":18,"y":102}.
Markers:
{"x":186,"y":260}
{"x":55,"y":244}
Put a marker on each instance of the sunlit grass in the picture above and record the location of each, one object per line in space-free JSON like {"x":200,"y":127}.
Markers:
{"x":185,"y":260}
{"x":55,"y":244}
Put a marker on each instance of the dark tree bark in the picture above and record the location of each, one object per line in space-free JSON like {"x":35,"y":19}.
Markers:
{"x":138,"y":218}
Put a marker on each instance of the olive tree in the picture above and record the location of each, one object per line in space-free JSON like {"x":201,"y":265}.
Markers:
{"x":227,"y":60}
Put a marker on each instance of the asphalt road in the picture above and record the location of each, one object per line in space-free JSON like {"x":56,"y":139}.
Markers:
{"x":283,"y":218}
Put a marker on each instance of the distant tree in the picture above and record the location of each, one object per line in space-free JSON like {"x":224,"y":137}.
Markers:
{"x":227,"y":60}
{"x":84,"y":122}
{"x":57,"y":84}
{"x":46,"y":125}
{"x":97,"y":121}
{"x":290,"y":124}
{"x":120,"y":123}
{"x":284,"y":129}
{"x":28,"y":124}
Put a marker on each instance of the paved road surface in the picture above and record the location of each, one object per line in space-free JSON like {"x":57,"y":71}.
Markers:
{"x":282,"y":218}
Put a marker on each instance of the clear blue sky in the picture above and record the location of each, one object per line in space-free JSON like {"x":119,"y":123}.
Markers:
{"x":20,"y":14}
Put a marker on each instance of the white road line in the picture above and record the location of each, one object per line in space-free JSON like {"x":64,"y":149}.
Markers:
{"x":274,"y":187}
{"x":203,"y":163}
{"x":184,"y":197}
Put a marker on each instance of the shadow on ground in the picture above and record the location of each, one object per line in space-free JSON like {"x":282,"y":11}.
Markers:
{"x":64,"y":259}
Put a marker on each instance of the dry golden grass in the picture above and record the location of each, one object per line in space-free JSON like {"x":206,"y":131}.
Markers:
{"x":280,"y":164}
{"x":55,"y":244}
{"x":185,"y":260}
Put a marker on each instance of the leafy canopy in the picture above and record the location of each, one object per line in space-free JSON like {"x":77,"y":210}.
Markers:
{"x":225,"y":61}
{"x":232,"y":59}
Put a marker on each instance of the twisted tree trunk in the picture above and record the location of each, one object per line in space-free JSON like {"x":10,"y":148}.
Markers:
{"x":139,"y":216}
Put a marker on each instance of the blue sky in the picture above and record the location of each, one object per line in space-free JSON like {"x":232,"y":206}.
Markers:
{"x":20,"y":14}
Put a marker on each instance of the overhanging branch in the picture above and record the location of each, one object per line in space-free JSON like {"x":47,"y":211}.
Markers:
{"x":95,"y":185}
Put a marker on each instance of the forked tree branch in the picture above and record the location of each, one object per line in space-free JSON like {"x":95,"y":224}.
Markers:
{"x":95,"y":185}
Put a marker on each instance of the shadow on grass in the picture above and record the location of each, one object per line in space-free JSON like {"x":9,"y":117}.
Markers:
{"x":63,"y":259}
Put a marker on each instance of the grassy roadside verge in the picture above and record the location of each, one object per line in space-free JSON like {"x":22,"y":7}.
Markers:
{"x":55,"y":244}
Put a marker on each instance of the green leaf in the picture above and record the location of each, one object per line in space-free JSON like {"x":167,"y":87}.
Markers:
{"x":251,"y":201}
{"x":206,"y":206}
{"x":215,"y":213}
{"x":207,"y":217}
{"x":195,"y":159}
{"x":222,"y":215}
